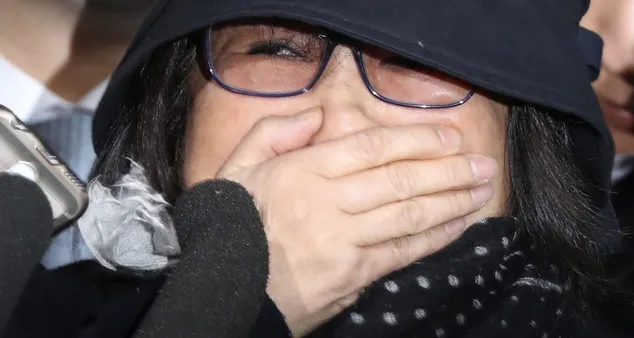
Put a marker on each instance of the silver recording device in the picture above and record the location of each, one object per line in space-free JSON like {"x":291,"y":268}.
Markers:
{"x":22,"y":153}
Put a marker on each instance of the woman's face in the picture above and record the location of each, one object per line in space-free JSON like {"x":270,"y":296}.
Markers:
{"x":221,"y":118}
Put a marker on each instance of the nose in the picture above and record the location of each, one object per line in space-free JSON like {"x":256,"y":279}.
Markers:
{"x":346,"y":103}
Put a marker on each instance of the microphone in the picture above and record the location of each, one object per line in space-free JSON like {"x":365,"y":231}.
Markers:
{"x":218,"y":286}
{"x":26,"y":226}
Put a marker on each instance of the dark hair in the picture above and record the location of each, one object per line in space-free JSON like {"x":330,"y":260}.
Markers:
{"x":548,"y":194}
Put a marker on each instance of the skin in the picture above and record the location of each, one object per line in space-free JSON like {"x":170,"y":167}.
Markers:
{"x":362,"y":163}
{"x":68,"y":45}
{"x":614,"y":21}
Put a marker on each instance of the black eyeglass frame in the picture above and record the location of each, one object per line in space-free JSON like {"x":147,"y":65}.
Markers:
{"x":330,"y":47}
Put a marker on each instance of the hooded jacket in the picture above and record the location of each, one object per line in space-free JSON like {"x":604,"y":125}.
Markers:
{"x":540,"y":60}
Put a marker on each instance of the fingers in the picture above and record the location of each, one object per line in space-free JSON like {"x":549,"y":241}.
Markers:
{"x":417,"y":215}
{"x":407,"y":179}
{"x":273,"y":136}
{"x":397,"y":254}
{"x":379,"y":146}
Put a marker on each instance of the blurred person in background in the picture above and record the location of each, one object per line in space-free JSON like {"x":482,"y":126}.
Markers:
{"x":55,"y":60}
{"x":614,"y":21}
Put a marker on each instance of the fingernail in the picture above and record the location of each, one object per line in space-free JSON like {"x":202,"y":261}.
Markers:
{"x":483,"y":168}
{"x":482,"y":194}
{"x":449,"y":136}
{"x":456,"y":227}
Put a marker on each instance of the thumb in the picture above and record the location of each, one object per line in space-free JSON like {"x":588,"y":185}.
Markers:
{"x":273,"y":136}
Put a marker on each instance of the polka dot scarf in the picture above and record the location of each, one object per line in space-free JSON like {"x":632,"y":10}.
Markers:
{"x":486,"y":284}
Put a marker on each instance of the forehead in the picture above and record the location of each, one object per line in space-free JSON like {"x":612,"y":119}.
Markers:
{"x":268,"y":26}
{"x":301,"y":32}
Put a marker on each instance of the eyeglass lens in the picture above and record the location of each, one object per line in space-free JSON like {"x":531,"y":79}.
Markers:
{"x":270,"y":59}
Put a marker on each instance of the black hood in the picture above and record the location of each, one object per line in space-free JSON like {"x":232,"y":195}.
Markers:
{"x":525,"y":49}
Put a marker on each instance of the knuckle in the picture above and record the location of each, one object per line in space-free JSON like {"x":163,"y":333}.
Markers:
{"x":434,"y":244}
{"x":412,"y":216}
{"x":370,"y":146}
{"x":462,"y":172}
{"x":434,"y":136}
{"x":455,"y":205}
{"x":454,"y":170}
{"x":430,"y":242}
{"x":450,"y":172}
{"x":402,"y":178}
{"x":430,"y":136}
{"x":346,"y":197}
{"x":403,"y":253}
{"x":427,"y":243}
{"x":461,"y":202}
{"x":439,"y":238}
{"x":265,"y":124}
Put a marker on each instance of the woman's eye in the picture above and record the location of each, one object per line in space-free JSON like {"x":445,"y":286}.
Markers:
{"x":272,"y":48}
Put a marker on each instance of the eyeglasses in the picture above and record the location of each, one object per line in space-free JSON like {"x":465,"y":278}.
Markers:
{"x":284,"y":63}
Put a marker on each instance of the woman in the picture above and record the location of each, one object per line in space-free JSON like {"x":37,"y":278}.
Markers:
{"x":370,"y":137}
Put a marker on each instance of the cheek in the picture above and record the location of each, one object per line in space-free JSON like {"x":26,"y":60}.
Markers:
{"x":218,"y":122}
{"x":213,"y":131}
{"x":485,"y":133}
{"x":483,"y":125}
{"x":481,"y":122}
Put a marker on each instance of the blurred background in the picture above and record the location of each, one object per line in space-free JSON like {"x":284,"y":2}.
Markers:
{"x":55,"y":60}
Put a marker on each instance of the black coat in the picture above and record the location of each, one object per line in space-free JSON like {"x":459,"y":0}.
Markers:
{"x":85,"y":300}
